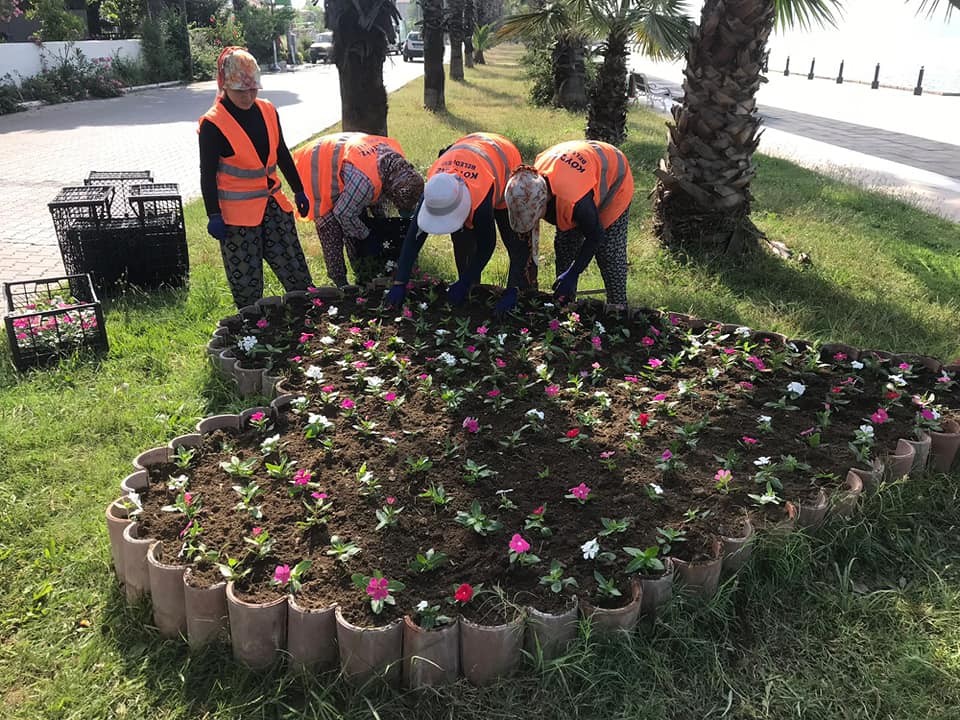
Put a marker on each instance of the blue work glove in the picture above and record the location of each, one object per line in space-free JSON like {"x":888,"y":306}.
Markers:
{"x":217,"y":227}
{"x":565,"y":286}
{"x":372,"y":245}
{"x":303,"y":204}
{"x":457,"y":292}
{"x":396,"y":294}
{"x":507,"y":301}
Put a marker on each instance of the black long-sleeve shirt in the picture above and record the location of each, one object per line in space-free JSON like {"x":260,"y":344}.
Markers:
{"x":586,"y":217}
{"x":214,"y":145}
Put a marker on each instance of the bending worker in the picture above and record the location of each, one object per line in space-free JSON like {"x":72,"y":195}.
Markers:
{"x":585,"y":189}
{"x":241,"y":146}
{"x":463,"y":197}
{"x":346,"y":173}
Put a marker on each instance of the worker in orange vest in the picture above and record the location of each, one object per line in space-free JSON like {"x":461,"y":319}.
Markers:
{"x":585,"y":189}
{"x":463,"y":197}
{"x":344,"y":175}
{"x":241,"y":146}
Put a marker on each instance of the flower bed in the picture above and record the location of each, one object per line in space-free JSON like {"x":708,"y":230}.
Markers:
{"x":433,"y":463}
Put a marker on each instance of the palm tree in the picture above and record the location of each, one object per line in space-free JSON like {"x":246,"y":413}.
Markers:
{"x":660,"y":29}
{"x":362,"y":30}
{"x":482,"y":40}
{"x":433,"y":77}
{"x":469,"y":23}
{"x":455,"y":30}
{"x":702,"y":198}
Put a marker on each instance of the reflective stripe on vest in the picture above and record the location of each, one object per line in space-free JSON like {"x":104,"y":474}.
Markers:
{"x":608,"y":192}
{"x":479,"y":144}
{"x":321,"y":166}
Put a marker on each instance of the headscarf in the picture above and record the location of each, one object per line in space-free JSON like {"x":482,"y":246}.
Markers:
{"x":402,"y":184}
{"x":526,"y":196}
{"x":237,"y":69}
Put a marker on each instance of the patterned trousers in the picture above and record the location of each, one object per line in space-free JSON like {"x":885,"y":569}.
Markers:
{"x":611,"y":256}
{"x":332,"y":244}
{"x":274,"y":240}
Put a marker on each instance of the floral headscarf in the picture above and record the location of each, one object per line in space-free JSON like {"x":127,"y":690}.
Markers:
{"x":237,"y":70}
{"x":402,"y":184}
{"x":526,"y":196}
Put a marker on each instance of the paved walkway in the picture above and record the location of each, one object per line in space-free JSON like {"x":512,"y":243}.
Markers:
{"x":54,"y":146}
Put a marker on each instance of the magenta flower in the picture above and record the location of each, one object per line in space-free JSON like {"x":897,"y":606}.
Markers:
{"x":581,"y":492}
{"x":281,"y":574}
{"x":655,"y":362}
{"x":879,"y":417}
{"x":482,"y":330}
{"x":359,"y":365}
{"x":368,"y":344}
{"x":422,"y":376}
{"x":327,"y":389}
{"x":597,"y":342}
{"x":471,"y":349}
{"x":347,"y":404}
{"x":303,"y":477}
{"x":378,"y":588}
{"x":552,"y":390}
{"x":262,"y":323}
{"x":354,"y":330}
{"x":187,"y":498}
{"x":407,"y":312}
{"x":928,"y":414}
{"x":524,"y":331}
{"x":518,"y":544}
{"x":659,"y":397}
{"x":319,"y":495}
{"x":631,"y":379}
{"x":666,"y":455}
{"x":493,"y":393}
{"x":257,"y":416}
{"x":391,"y":500}
{"x":500,"y":363}
{"x":904,"y":366}
{"x":647,"y":341}
{"x":296,"y":359}
{"x":361,"y":300}
{"x":746,"y":385}
{"x":747,"y":440}
{"x":606,"y":454}
{"x":729,"y":351}
{"x":554,"y":325}
{"x":840,"y":357}
{"x":256,"y":531}
{"x":471,"y":425}
{"x":756,"y":362}
{"x":304,"y":337}
{"x":390,"y":397}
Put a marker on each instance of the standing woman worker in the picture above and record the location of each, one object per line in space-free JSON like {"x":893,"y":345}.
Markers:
{"x":585,"y":189}
{"x":241,"y":146}
{"x":463,"y":197}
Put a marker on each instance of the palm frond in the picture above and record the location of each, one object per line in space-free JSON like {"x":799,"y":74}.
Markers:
{"x":554,"y":19}
{"x":662,"y":30}
{"x":929,"y":7}
{"x":805,"y":14}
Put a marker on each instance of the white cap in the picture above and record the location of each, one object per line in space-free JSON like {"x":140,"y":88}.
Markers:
{"x":446,"y":204}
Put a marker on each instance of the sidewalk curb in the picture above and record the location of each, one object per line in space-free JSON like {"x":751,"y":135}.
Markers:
{"x":152,"y":86}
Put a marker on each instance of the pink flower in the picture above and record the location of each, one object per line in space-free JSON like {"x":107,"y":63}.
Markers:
{"x":747,"y":440}
{"x":729,"y":351}
{"x":944,"y":378}
{"x":354,"y":330}
{"x":361,"y":300}
{"x":631,"y":379}
{"x":262,"y":323}
{"x":573,"y":432}
{"x":518,"y":544}
{"x":391,"y":500}
{"x":463,"y":593}
{"x":756,"y":362}
{"x":302,"y":477}
{"x":809,"y":431}
{"x":187,"y":498}
{"x":659,"y":397}
{"x":296,"y":359}
{"x":575,"y":317}
{"x":347,"y":404}
{"x":723,"y":476}
{"x":666,"y":455}
{"x":471,"y":425}
{"x":500,"y":363}
{"x":471,"y":349}
{"x":319,"y":495}
{"x":482,"y":330}
{"x":552,"y":390}
{"x":281,"y":574}
{"x":304,"y":337}
{"x":904,"y":366}
{"x":746,"y":385}
{"x":655,"y":362}
{"x":597,"y":342}
{"x":493,"y":393}
{"x":606,"y":454}
{"x":554,"y":325}
{"x":390,"y":397}
{"x":840,"y":357}
{"x":581,"y":492}
{"x":928,"y":414}
{"x":368,"y":344}
{"x":327,"y":389}
{"x":256,"y":531}
{"x":880,"y":416}
{"x":257,"y":416}
{"x":359,"y":365}
{"x":524,"y":331}
{"x":643,"y":419}
{"x":537,"y":510}
{"x":647,"y":341}
{"x":422,"y":376}
{"x":378,"y":589}
{"x":407,"y":313}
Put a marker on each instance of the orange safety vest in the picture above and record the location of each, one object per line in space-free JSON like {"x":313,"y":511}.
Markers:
{"x":320,"y":166}
{"x":497,"y":154}
{"x":244,"y":183}
{"x":478,"y":180}
{"x":577,"y":167}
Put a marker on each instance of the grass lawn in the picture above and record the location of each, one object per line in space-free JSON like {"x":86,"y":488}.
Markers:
{"x":861,"y":622}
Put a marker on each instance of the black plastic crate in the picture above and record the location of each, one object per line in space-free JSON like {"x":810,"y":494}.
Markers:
{"x":122,"y":181}
{"x":50,"y":318}
{"x":157,"y":202}
{"x":78,"y":205}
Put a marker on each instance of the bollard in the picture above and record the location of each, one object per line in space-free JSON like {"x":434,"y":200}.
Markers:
{"x":840,"y":76}
{"x":786,"y":70}
{"x":810,"y":74}
{"x":876,"y":78}
{"x":918,"y":90}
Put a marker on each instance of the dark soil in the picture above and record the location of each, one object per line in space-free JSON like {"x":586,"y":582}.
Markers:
{"x":540,"y":467}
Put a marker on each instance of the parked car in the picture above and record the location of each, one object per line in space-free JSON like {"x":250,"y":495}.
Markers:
{"x":396,"y":47}
{"x":413,"y":46}
{"x":322,"y":49}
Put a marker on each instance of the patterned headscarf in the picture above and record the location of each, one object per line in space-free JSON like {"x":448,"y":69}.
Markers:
{"x":526,"y":196}
{"x":402,"y":184}
{"x":237,"y":70}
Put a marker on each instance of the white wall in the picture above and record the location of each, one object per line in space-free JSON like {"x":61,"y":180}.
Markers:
{"x":25,"y":59}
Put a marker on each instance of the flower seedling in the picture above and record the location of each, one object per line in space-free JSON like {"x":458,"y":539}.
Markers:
{"x":667,"y":537}
{"x":186,"y":502}
{"x":574,"y":436}
{"x":862,"y":443}
{"x":286,"y":578}
{"x":555,"y":579}
{"x":591,"y":551}
{"x":429,"y":616}
{"x":612,"y":527}
{"x":302,"y":480}
{"x":474,"y":472}
{"x":519,"y":551}
{"x":233,"y":569}
{"x":282,"y":469}
{"x":248,"y":494}
{"x":183,"y":456}
{"x":606,"y":459}
{"x":645,"y":562}
{"x":318,"y":511}
{"x":418,"y":465}
{"x":317,"y":426}
{"x":515,"y":439}
{"x":369,"y":485}
{"x":239,"y":468}
{"x":722,"y":479}
{"x":505,"y":502}
{"x":669,"y":462}
{"x":272,"y":445}
{"x":534,"y":521}
{"x":436,"y":495}
{"x":260,"y":542}
{"x":261,"y":422}
{"x":606,"y":589}
{"x":769,"y":497}
{"x":476,"y":520}
{"x":425,"y":562}
{"x":379,"y":589}
{"x":581,"y":493}
{"x":463,"y":594}
{"x":341,"y":549}
{"x":389,"y":514}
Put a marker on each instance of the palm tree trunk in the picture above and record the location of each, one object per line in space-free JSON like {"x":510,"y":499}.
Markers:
{"x":607,"y":114}
{"x":468,"y":27}
{"x":363,"y":98}
{"x":569,"y":73}
{"x":433,"y":77}
{"x":455,"y":29}
{"x":702,"y":199}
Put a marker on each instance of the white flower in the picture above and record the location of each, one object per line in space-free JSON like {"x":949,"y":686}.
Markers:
{"x":548,"y":305}
{"x":441,"y":332}
{"x":422,"y":605}
{"x":246,"y":343}
{"x":761,"y":461}
{"x":796,"y":388}
{"x":742,"y":331}
{"x":501,"y":338}
{"x":447,"y":358}
{"x":856,"y":365}
{"x":867,"y":430}
{"x":590,"y":549}
{"x":327,"y":340}
{"x":764,"y":419}
{"x":713,"y":373}
{"x":792,"y":347}
{"x":390,"y":265}
{"x":389,"y":440}
{"x":374,"y":382}
{"x":534,"y":413}
{"x":134,"y":497}
{"x":321,"y":420}
{"x":314,"y":372}
{"x":656,"y":488}
{"x":423,"y":306}
{"x":599,"y":329}
{"x":178,"y":483}
{"x":270,"y":444}
{"x":332,"y":311}
{"x":898,"y":380}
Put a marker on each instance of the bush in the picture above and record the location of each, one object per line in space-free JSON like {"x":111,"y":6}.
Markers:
{"x":207,"y":42}
{"x":72,"y":77}
{"x":56,"y":22}
{"x":10,"y":96}
{"x":164,"y":47}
